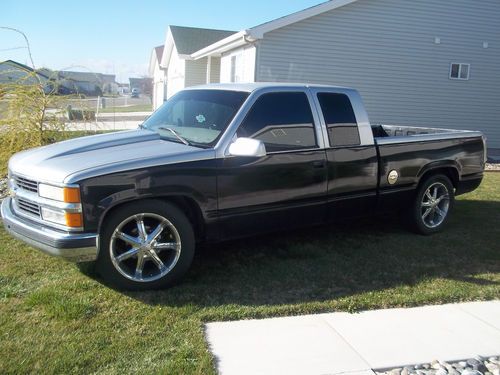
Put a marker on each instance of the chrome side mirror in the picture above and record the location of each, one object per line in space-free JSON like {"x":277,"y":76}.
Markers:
{"x":247,"y":147}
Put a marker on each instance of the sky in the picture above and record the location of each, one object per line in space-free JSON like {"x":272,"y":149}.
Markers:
{"x":117,"y":36}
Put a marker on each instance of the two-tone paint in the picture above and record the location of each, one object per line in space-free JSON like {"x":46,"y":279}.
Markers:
{"x":228,"y":196}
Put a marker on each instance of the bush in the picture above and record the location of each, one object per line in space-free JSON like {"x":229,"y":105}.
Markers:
{"x":80,"y":114}
{"x":28,"y":118}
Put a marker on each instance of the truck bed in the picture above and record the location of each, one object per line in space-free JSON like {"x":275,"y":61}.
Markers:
{"x":385,"y":134}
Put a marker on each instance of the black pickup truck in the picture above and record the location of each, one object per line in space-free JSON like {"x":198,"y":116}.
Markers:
{"x":223,"y":161}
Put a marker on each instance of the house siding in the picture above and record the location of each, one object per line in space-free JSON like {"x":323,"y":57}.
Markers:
{"x":215,"y":70}
{"x":158,"y":86}
{"x":175,"y":74}
{"x":246,"y":64}
{"x":386,"y":49}
{"x":196,"y":72}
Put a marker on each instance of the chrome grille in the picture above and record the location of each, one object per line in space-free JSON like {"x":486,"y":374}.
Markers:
{"x":28,"y":207}
{"x":26,"y":184}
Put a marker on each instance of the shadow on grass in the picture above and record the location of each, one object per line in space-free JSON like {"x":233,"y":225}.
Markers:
{"x":330,"y":262}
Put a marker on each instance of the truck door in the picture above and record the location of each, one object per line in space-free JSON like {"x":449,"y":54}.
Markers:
{"x":286,"y":187}
{"x":351,"y":154}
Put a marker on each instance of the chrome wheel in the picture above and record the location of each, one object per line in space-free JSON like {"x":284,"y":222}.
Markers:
{"x":435,"y":205}
{"x":145,"y":247}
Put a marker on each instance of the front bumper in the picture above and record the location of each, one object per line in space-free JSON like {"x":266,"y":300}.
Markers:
{"x":75,"y":247}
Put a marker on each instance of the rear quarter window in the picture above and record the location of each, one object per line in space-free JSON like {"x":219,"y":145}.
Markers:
{"x":340,"y":119}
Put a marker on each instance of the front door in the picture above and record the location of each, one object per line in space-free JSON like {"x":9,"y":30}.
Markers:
{"x":287,"y":187}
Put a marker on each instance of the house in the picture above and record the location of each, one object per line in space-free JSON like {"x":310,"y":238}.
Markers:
{"x":426,"y":62}
{"x":87,"y":83}
{"x":109,"y":85}
{"x":13,"y":73}
{"x":159,"y":77}
{"x":144,"y":84}
{"x":176,"y":68}
{"x":123,"y":88}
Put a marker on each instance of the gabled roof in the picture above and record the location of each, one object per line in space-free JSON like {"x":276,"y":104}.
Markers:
{"x":78,"y":76}
{"x":41,"y":72}
{"x":191,"y":39}
{"x":186,"y":40}
{"x":159,"y":52}
{"x":250,"y":35}
{"x":19,"y":65}
{"x":156,"y":56}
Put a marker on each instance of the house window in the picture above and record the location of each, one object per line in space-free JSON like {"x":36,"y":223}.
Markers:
{"x":236,"y":68}
{"x":233,"y":68}
{"x":459,"y":71}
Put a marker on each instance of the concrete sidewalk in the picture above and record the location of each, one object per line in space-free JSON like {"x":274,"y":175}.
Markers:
{"x":339,"y":343}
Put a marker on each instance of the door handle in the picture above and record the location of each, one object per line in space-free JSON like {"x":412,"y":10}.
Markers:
{"x":319,"y":164}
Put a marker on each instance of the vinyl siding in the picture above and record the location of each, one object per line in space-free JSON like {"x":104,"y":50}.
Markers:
{"x":386,"y":50}
{"x":215,"y":70}
{"x":175,"y":74}
{"x":158,"y":86}
{"x":245,"y":66}
{"x":196,"y":72}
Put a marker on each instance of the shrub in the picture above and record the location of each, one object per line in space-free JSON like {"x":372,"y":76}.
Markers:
{"x":29,"y":116}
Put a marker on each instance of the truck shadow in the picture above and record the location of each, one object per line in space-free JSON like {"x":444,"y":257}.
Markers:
{"x":331,"y":262}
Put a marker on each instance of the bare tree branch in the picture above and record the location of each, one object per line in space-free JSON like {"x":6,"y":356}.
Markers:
{"x":26,"y":40}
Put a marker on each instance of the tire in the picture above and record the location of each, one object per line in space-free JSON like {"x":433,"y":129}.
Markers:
{"x":151,"y":255}
{"x":432,"y":206}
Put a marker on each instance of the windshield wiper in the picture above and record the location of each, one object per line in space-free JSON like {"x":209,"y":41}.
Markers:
{"x":177,"y":135}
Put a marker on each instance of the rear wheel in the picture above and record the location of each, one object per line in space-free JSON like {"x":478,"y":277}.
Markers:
{"x":145,"y":245}
{"x":433,"y":203}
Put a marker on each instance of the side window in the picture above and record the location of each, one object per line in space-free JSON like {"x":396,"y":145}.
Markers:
{"x":340,"y":119}
{"x":282,"y":120}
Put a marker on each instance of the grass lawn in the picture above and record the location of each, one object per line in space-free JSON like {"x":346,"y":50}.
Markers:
{"x":56,"y":317}
{"x":130,"y":108}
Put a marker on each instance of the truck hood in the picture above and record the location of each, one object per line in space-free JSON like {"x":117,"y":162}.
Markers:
{"x":81,"y":158}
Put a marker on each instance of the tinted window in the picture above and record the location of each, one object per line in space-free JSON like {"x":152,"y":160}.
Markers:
{"x":283,"y":121}
{"x":340,"y":120}
{"x":199,"y":116}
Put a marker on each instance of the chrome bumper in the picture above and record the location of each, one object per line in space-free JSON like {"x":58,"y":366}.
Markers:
{"x":75,"y":247}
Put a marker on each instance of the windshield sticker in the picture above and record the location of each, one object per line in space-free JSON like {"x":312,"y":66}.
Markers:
{"x":201,"y":119}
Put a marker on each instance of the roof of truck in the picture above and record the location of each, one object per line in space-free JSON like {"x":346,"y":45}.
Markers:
{"x":249,"y":87}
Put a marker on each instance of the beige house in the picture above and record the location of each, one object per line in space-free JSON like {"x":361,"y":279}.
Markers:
{"x":159,"y":77}
{"x":172,"y":66}
{"x":423,"y":63}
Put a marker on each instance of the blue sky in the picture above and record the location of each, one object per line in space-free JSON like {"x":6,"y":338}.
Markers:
{"x":116,"y":36}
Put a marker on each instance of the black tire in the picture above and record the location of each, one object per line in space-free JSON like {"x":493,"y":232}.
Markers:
{"x":425,"y":205}
{"x":153,"y":214}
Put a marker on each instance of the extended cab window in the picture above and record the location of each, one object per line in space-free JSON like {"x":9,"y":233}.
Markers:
{"x":340,"y":119}
{"x":282,"y":120}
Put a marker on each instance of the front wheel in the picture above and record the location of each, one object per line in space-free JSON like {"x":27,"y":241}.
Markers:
{"x":433,"y":203}
{"x":145,"y":245}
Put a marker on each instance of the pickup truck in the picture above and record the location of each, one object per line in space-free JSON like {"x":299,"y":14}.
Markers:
{"x":223,"y":161}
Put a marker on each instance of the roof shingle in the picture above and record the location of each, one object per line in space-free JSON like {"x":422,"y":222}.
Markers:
{"x":190,"y":39}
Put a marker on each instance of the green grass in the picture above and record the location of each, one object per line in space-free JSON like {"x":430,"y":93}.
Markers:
{"x":56,"y":317}
{"x":131,"y":108}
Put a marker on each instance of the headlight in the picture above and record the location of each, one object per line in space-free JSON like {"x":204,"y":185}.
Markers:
{"x":62,"y":194}
{"x":69,"y":219}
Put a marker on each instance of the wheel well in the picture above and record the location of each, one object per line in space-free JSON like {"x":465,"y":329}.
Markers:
{"x":449,"y":172}
{"x":186,"y":204}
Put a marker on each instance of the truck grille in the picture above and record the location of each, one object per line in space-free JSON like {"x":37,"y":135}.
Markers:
{"x":28,"y":207}
{"x":26,"y":184}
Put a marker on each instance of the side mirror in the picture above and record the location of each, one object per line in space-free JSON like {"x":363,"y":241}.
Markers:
{"x":247,"y":147}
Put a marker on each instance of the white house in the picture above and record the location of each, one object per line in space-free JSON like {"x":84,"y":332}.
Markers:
{"x":422,"y":62}
{"x":159,"y":77}
{"x":174,"y":68}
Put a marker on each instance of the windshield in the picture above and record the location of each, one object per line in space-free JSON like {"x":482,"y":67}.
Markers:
{"x":196,"y":117}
